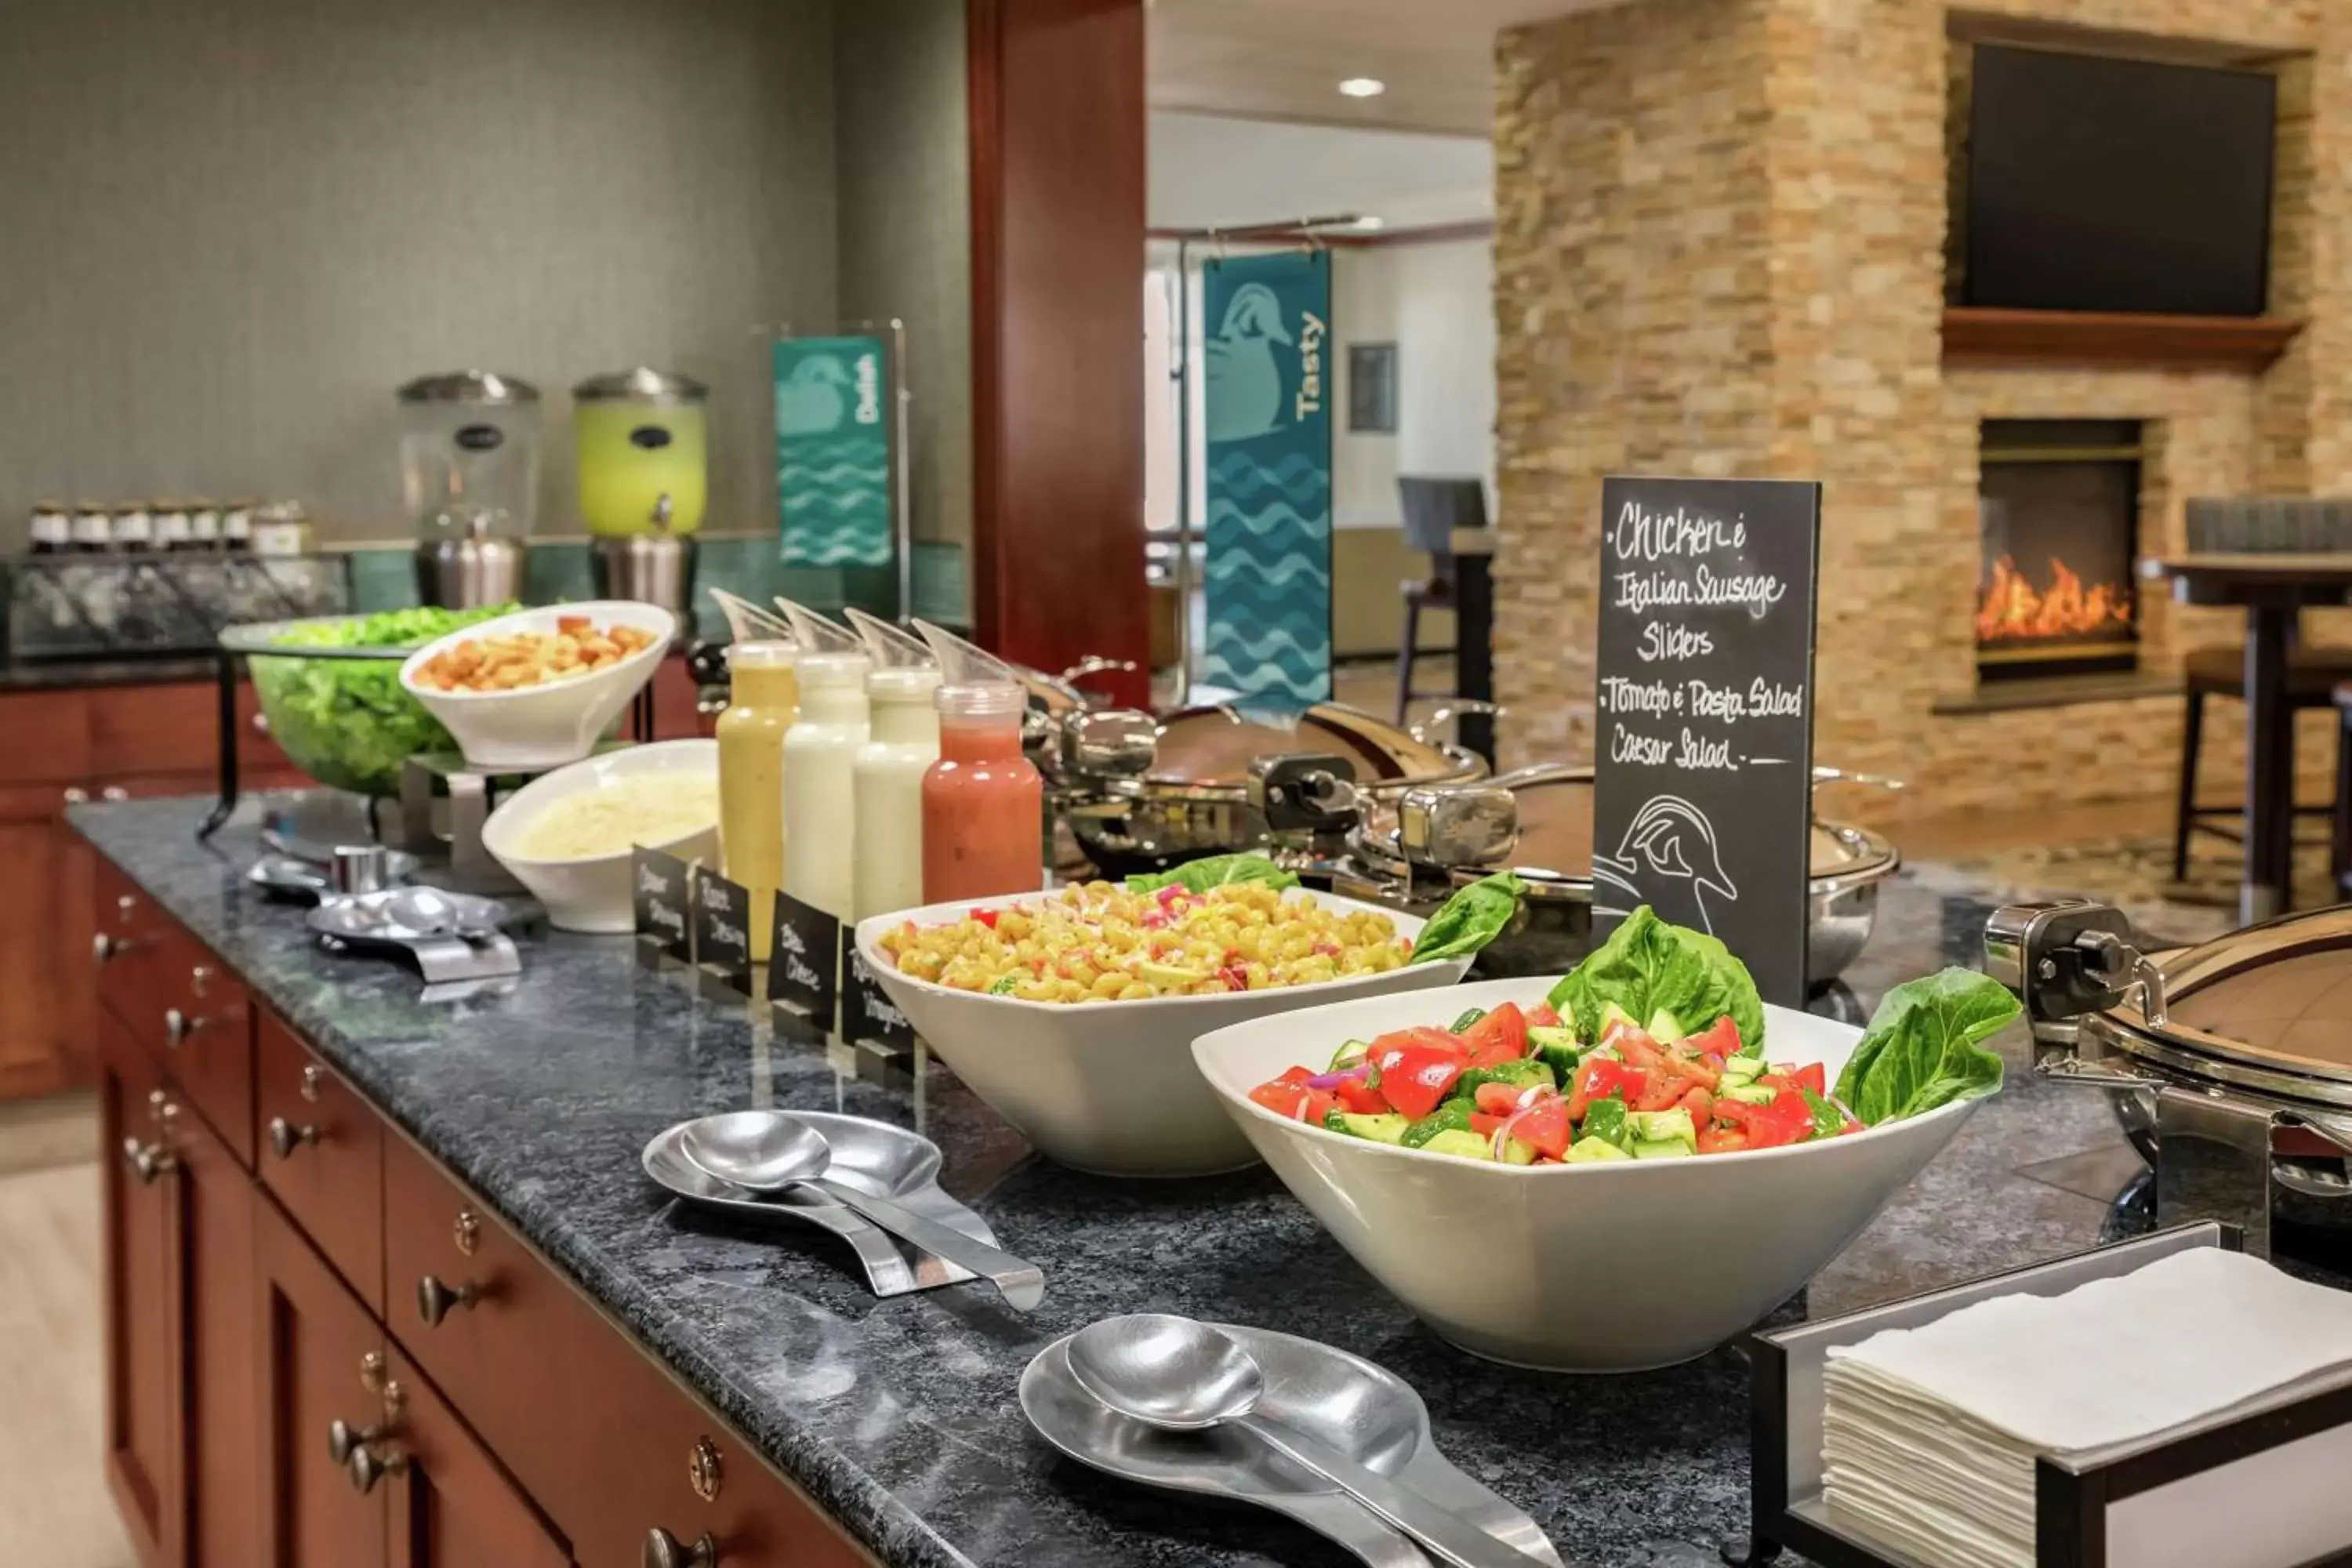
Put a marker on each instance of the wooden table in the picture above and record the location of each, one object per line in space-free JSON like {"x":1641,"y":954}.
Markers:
{"x":2273,"y":589}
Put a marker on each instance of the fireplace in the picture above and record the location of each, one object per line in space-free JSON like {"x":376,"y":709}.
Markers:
{"x":2058,"y":520}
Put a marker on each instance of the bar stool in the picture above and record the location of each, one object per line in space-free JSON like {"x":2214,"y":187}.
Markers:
{"x":1433,"y":509}
{"x":2316,"y":677}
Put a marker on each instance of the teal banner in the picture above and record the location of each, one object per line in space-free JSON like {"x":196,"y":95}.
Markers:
{"x":1266,"y":405}
{"x":834,"y":430}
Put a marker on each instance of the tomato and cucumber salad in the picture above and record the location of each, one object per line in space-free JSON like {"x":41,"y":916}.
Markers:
{"x":1522,"y":1086}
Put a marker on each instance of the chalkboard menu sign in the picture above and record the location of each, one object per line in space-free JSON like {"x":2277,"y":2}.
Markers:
{"x":1704,"y":759}
{"x":661,"y":887}
{"x":722,"y":934}
{"x":804,"y":969}
{"x":868,"y":1016}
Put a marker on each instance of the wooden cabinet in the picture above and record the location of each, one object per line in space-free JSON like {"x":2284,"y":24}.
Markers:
{"x":454,"y":1508}
{"x":44,"y":997}
{"x":140,"y":1258}
{"x":322,"y":1352}
{"x":322,"y":1390}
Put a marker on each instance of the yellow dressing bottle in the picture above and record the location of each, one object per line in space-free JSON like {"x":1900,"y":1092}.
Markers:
{"x":763,"y":698}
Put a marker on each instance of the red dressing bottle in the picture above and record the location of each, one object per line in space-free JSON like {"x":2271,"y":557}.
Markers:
{"x":984,"y":801}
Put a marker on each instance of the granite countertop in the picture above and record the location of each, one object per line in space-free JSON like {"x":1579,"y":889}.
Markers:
{"x":900,"y":1417}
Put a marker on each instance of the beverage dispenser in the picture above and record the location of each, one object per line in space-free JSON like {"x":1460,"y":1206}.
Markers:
{"x":469,"y":472}
{"x":644,"y":481}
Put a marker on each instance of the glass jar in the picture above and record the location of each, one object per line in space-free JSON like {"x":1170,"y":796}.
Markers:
{"x":984,"y":801}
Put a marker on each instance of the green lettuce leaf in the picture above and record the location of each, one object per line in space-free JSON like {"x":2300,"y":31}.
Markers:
{"x":1923,"y":1049}
{"x":1472,"y":918}
{"x":1648,"y":964}
{"x":1216,"y":871}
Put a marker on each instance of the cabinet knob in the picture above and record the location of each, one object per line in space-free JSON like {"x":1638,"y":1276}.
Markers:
{"x":106,"y":946}
{"x":115,"y":792}
{"x":178,"y":1026}
{"x":285,"y":1137}
{"x":433,"y":1298}
{"x":370,"y":1462}
{"x":344,"y":1439}
{"x":77,"y":796}
{"x":664,"y":1550}
{"x":148,"y":1161}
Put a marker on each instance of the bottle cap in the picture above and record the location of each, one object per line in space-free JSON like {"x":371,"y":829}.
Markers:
{"x":763,"y":640}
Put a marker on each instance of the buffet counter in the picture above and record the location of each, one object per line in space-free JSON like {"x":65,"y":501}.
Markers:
{"x":898,"y":1419}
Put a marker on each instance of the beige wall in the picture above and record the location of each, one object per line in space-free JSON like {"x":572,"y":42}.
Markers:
{"x":901,"y":134}
{"x":229,"y":229}
{"x":1720,"y":251}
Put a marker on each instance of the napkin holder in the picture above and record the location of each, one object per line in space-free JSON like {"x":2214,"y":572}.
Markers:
{"x":2085,"y":1504}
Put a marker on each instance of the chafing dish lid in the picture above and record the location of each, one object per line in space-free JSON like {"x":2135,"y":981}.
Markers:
{"x":2276,"y":995}
{"x":1209,"y":749}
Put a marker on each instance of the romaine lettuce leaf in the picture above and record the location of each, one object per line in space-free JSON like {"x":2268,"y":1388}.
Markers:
{"x":1648,"y":964}
{"x":1216,"y":871}
{"x":1472,"y":918}
{"x":1923,"y":1047}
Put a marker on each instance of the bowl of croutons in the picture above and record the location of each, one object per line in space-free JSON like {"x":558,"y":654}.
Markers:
{"x":540,"y":687}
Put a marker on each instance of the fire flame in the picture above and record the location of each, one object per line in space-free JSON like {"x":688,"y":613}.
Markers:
{"x":2013,"y":608}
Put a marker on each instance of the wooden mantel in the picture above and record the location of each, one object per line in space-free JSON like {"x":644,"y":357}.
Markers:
{"x":2063,"y":339}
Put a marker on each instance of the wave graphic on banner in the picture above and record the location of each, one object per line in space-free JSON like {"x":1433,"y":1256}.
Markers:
{"x":832,"y":492}
{"x":1269,"y":580}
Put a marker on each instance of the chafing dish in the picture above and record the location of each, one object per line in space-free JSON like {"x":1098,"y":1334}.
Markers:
{"x":2230,"y":1063}
{"x":1537,"y":821}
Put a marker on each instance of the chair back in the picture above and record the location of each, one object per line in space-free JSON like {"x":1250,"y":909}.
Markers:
{"x":2270,"y":525}
{"x":1434,"y":508}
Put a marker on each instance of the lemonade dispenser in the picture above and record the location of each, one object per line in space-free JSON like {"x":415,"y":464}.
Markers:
{"x":643,"y":448}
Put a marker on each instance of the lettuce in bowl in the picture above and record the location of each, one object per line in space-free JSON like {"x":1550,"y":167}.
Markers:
{"x":346,"y":721}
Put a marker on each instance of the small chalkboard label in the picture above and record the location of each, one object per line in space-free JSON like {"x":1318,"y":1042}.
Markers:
{"x":804,"y":968}
{"x":661,"y":887}
{"x":1704,"y":758}
{"x":868,"y":1016}
{"x":723,"y":932}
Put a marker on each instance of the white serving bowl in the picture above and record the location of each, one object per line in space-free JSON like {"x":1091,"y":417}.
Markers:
{"x":543,"y":726}
{"x":1110,"y":1087}
{"x":1612,"y":1266}
{"x":593,"y":894}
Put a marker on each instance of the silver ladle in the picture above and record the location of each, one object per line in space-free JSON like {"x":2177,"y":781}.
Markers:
{"x":1182,"y":1375}
{"x":769,"y":1151}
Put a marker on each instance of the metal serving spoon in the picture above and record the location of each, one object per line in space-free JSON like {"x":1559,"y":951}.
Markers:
{"x":769,"y":1151}
{"x":1183,"y":1375}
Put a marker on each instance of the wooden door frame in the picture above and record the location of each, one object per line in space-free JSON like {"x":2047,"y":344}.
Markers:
{"x":1057,"y":129}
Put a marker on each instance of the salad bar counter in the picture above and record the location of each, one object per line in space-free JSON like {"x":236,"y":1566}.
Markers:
{"x":848,"y":1427}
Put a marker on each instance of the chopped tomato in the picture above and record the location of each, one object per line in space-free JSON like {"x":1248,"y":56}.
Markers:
{"x":1659,"y":1091}
{"x":1414,"y":1077}
{"x":985,"y":917}
{"x":1498,"y":1098}
{"x":1722,"y":1037}
{"x":1498,"y":1036}
{"x":1713,"y":1140}
{"x":1788,"y":1120}
{"x":1356,"y":1095}
{"x":1813,"y":1076}
{"x":1691,"y":1068}
{"x":1598,"y":1077}
{"x":1541,"y":1125}
{"x":1541,"y":1016}
{"x":1484,"y":1125}
{"x":1397,"y":1039}
{"x":1294,"y":1099}
{"x":1637,"y":1048}
{"x":1233,"y":977}
{"x":1699,"y":1102}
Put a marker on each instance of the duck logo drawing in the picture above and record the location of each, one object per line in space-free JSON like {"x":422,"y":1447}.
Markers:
{"x":1668,"y":859}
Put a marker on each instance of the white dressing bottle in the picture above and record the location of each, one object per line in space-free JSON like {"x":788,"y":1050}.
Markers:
{"x":821,"y":760}
{"x":903,"y":744}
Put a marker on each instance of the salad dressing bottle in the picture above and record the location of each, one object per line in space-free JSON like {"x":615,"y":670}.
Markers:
{"x":820,"y":762}
{"x":887,"y":844}
{"x":984,"y":801}
{"x":763,"y":700}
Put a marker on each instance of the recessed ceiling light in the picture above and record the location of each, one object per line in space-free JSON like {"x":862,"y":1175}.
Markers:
{"x":1371,"y":220}
{"x":1363,"y":87}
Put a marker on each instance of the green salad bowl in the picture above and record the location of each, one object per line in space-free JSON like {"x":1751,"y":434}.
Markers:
{"x":331,"y":693}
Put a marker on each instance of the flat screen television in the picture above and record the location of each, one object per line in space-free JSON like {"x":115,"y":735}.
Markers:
{"x":2097,"y":183}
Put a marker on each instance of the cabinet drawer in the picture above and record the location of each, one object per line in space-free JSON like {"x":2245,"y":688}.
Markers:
{"x":49,"y":737}
{"x":205,"y":1032}
{"x":131,"y":953}
{"x":320,"y":1152}
{"x":455,"y":1508}
{"x":607,"y":1443}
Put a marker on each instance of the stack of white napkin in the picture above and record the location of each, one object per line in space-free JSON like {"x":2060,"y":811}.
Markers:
{"x":1930,"y":1434}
